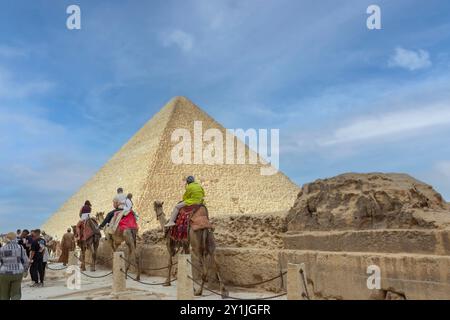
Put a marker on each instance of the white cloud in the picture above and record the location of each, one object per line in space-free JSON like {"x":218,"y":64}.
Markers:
{"x":57,"y":173}
{"x":12,"y":88}
{"x":11,"y":52}
{"x":179,"y":38}
{"x":389,"y":124}
{"x":410,"y":59}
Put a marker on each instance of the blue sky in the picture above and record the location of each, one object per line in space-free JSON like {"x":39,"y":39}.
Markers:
{"x":344,"y":98}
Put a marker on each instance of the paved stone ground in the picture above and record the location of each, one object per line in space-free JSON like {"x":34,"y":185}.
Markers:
{"x":55,"y":288}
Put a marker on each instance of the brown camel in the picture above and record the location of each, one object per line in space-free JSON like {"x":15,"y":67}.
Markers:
{"x":129,"y":236}
{"x":90,"y":244}
{"x":203,"y":247}
{"x":51,"y":243}
{"x":52,"y":247}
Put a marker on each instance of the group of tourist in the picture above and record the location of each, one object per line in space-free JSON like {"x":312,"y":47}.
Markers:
{"x":26,"y":252}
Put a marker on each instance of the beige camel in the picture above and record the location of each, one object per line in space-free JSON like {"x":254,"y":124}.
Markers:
{"x":51,"y":244}
{"x":129,"y":237}
{"x":52,"y":247}
{"x":203,"y":247}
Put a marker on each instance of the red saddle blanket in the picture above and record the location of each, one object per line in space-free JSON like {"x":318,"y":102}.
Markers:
{"x":179,"y":232}
{"x":128,"y":222}
{"x":84,"y":230}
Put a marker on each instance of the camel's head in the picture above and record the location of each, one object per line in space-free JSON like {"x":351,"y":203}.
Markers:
{"x":158,"y":206}
{"x":46,"y":237}
{"x":74,"y":229}
{"x":100,"y":216}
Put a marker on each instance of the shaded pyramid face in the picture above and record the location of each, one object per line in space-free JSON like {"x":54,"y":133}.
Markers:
{"x":144,"y":167}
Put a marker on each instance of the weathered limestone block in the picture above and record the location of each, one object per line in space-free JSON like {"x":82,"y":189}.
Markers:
{"x":343,"y":275}
{"x":422,"y":241}
{"x":368,"y":201}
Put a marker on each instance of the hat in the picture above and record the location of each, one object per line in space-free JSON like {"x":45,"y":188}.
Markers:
{"x":11,"y":236}
{"x":190,"y":179}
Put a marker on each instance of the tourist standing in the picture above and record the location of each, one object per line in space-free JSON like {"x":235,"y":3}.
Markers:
{"x":13,"y":266}
{"x":45,"y":258}
{"x":36,"y":259}
{"x":26,"y":240}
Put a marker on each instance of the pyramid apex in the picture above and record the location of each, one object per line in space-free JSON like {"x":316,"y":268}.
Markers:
{"x":178,"y":99}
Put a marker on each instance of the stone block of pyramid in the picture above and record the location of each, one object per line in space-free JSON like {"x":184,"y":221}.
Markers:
{"x":144,"y":167}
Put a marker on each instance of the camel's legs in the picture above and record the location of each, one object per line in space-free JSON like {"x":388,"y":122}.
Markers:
{"x":127,"y":263}
{"x":83,"y":255}
{"x":130,"y":241}
{"x":202,"y":253}
{"x":93,"y":255}
{"x":95,"y":248}
{"x":215,"y":266}
{"x":137,"y":262}
{"x":203,"y":267}
{"x":169,"y":274}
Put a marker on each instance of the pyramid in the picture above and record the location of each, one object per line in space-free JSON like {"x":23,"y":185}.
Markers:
{"x":144,"y":167}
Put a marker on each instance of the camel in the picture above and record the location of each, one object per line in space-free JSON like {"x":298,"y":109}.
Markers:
{"x":52,"y":243}
{"x":52,"y":247}
{"x":129,"y":237}
{"x":203,"y":246}
{"x":90,"y":244}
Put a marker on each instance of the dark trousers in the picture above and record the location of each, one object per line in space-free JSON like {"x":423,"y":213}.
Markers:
{"x":44,"y":267}
{"x":108,"y":218}
{"x":37,"y":270}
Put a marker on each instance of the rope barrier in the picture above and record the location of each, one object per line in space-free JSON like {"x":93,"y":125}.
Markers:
{"x":264,"y":281}
{"x":56,"y":269}
{"x":88,"y":263}
{"x":146,"y":283}
{"x":236,"y":298}
{"x":147,"y":269}
{"x":96,"y":277}
{"x":128,"y":261}
{"x":246,"y":285}
{"x":162,"y":268}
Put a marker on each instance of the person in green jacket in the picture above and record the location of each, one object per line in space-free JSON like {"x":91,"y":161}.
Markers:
{"x":194,"y":194}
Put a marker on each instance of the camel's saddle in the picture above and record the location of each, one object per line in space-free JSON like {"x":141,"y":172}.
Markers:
{"x":86,"y":229}
{"x":121,"y":221}
{"x":195,"y":217}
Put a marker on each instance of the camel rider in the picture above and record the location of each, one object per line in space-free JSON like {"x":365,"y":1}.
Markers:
{"x":128,"y":207}
{"x":85,"y":211}
{"x":118,"y":204}
{"x":194,"y":194}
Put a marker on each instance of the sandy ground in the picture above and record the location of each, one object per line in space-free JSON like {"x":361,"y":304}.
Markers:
{"x":100,"y":288}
